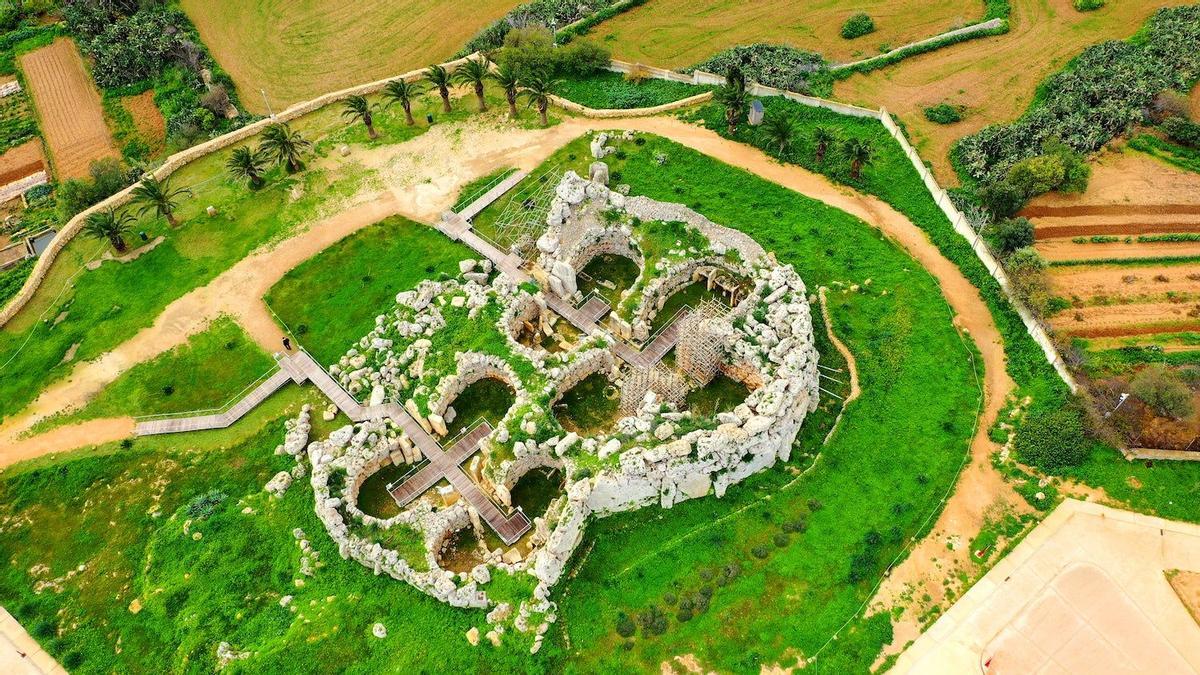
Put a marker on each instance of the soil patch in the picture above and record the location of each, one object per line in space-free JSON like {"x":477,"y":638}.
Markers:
{"x":24,"y":160}
{"x":147,"y":118}
{"x":1065,"y":249}
{"x":1187,"y":587}
{"x":1118,"y":282}
{"x":69,"y":108}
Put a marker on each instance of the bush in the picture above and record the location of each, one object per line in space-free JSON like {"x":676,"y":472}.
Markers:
{"x":203,"y":505}
{"x":582,"y":57}
{"x":1182,"y":131}
{"x":542,"y":13}
{"x":125,"y":48}
{"x":1053,"y":439}
{"x":773,"y":65}
{"x":108,"y":177}
{"x":1010,"y":234}
{"x":943,"y":113}
{"x":1163,"y":391}
{"x":529,"y":52}
{"x":1100,"y":94}
{"x":625,"y":626}
{"x":857,"y":26}
{"x":1087,"y":5}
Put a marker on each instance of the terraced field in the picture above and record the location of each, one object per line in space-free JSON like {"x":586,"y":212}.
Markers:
{"x":1126,"y":254}
{"x":284,"y":51}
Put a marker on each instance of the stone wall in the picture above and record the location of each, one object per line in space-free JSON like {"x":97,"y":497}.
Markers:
{"x":178,"y":160}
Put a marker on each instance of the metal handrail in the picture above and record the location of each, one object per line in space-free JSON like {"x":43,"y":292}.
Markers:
{"x":214,"y":411}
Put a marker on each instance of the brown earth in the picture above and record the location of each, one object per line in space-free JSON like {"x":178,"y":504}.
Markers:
{"x":1117,"y":282}
{"x":1133,"y":319}
{"x":1065,"y":249}
{"x":678,"y":33}
{"x":24,"y":160}
{"x":1048,"y":231}
{"x":148,"y":119}
{"x":1187,"y":586}
{"x":1134,"y":181}
{"x":68,"y":107}
{"x":994,"y":77}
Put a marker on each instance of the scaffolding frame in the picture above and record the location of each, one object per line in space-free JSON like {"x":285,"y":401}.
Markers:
{"x":667,"y":384}
{"x":701,"y":348}
{"x":523,"y":217}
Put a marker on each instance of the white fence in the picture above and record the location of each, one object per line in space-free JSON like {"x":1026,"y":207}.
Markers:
{"x":963,"y":227}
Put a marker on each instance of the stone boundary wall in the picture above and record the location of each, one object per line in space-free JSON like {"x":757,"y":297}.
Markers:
{"x":1153,"y":453}
{"x":963,"y":227}
{"x":612,"y":113}
{"x":991,"y":24}
{"x":178,"y":160}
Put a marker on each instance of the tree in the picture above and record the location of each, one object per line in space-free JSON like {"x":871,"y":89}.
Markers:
{"x":506,"y":78}
{"x":247,"y":164}
{"x":158,"y":196}
{"x":284,"y":146}
{"x":528,"y":52}
{"x":439,"y":77}
{"x":357,"y":107}
{"x":733,"y":96}
{"x":474,"y":72}
{"x":403,"y":92}
{"x":860,"y":153}
{"x":1010,"y":234}
{"x":778,"y":131}
{"x":1163,"y":391}
{"x":823,"y":137}
{"x":538,"y":90}
{"x":108,"y":225}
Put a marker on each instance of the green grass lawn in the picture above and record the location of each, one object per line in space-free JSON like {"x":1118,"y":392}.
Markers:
{"x":331,"y":300}
{"x":873,"y":487}
{"x":488,"y":399}
{"x":206,"y":372}
{"x":721,"y":395}
{"x":608,"y":276}
{"x":585,"y":408}
{"x":612,"y":90}
{"x":104,"y":307}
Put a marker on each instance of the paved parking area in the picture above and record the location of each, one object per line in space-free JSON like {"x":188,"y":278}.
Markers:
{"x":1085,"y":592}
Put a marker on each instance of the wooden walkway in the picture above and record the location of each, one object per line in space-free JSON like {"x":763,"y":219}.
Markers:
{"x":301,"y":367}
{"x":492,"y":195}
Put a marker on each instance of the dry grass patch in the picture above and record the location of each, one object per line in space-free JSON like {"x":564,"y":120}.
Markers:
{"x":676,"y":33}
{"x":298,"y":49}
{"x":994,"y":77}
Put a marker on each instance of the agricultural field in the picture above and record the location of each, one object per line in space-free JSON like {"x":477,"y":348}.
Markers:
{"x":21,"y":161}
{"x":69,"y":108}
{"x":994,"y":78}
{"x":680,"y":33}
{"x":289,"y":50}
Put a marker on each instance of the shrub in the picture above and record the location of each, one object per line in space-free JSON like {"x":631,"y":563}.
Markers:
{"x":760,"y":552}
{"x":943,"y":113}
{"x":1099,"y":95}
{"x":203,"y":505}
{"x":582,"y":57}
{"x":1163,"y":391}
{"x":1001,"y":199}
{"x":108,"y":176}
{"x":1087,"y":5}
{"x":857,"y":26}
{"x":1053,"y":439}
{"x":38,"y":193}
{"x":625,"y":626}
{"x":773,"y":65}
{"x":1182,"y":131}
{"x":1010,"y":234}
{"x":781,"y":540}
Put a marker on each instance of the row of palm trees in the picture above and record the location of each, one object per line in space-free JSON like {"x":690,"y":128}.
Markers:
{"x":151,"y":195}
{"x":779,"y":130}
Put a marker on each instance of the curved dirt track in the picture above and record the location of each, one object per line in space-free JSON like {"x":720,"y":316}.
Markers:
{"x":238,"y":290}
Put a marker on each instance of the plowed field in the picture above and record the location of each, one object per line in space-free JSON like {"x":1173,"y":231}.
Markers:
{"x":69,"y":108}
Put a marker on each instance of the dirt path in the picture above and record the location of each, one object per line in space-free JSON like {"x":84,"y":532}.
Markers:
{"x":421,"y":189}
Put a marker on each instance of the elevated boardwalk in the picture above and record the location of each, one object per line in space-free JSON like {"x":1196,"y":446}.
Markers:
{"x":492,"y":195}
{"x":215,"y":420}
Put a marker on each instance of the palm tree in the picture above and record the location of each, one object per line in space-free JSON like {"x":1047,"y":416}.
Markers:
{"x":823,"y":137}
{"x":439,"y":77}
{"x":356,"y":107}
{"x":474,"y":72}
{"x":158,"y":196}
{"x":249,"y":165}
{"x":285,"y":146}
{"x":402,"y":92}
{"x":779,"y":131}
{"x":108,"y":225}
{"x":507,"y":79}
{"x":861,"y":153}
{"x":733,"y":96}
{"x":538,"y":90}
